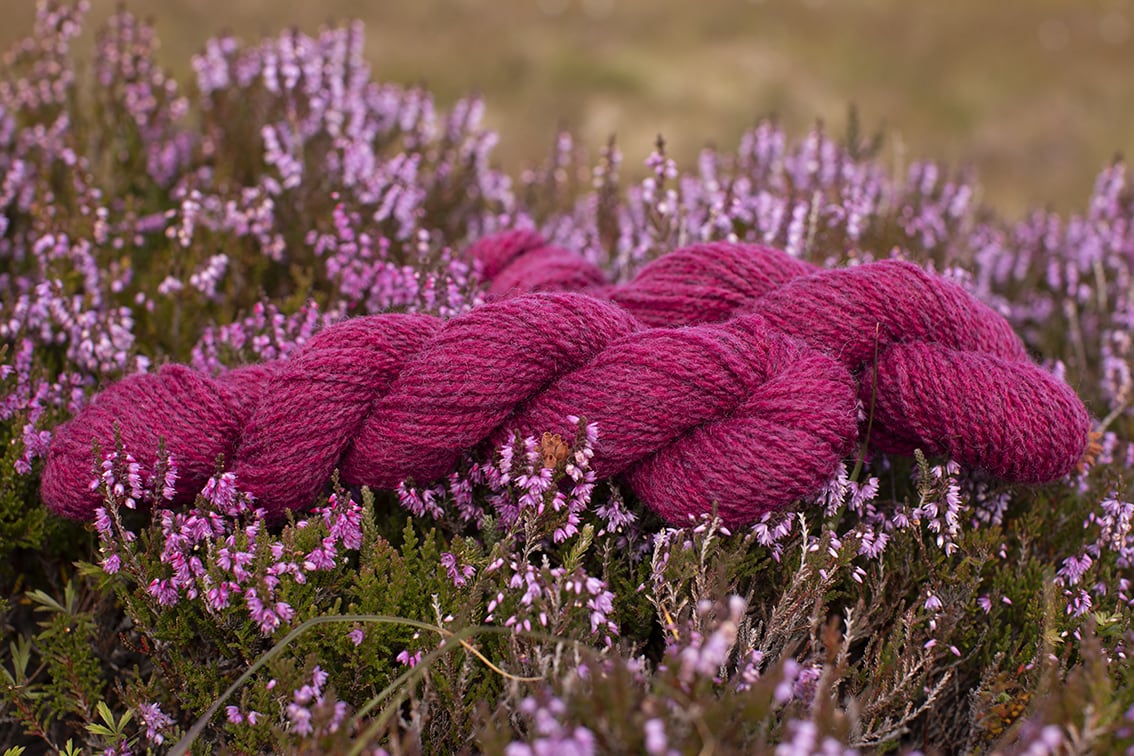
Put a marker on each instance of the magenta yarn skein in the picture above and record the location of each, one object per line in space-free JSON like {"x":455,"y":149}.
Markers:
{"x":468,"y":381}
{"x":521,"y":262}
{"x":200,"y":416}
{"x":702,"y":283}
{"x":943,"y":372}
{"x":389,"y":397}
{"x":736,"y":415}
{"x":317,"y":403}
{"x":750,"y":403}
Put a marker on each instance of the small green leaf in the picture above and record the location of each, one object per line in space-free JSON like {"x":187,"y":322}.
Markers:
{"x":579,"y":548}
{"x":102,"y":730}
{"x":46,"y":602}
{"x":106,"y":714}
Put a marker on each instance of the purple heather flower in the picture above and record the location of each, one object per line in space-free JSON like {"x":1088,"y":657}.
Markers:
{"x":552,"y":737}
{"x":155,"y":720}
{"x":323,"y":557}
{"x":615,"y":513}
{"x":749,"y":670}
{"x":356,"y":636}
{"x":268,"y":616}
{"x":111,"y":563}
{"x":299,"y":719}
{"x":1046,"y":742}
{"x":408,"y":659}
{"x":1078,"y":602}
{"x":772,"y":530}
{"x":803,"y":689}
{"x":460,"y":575}
{"x":420,"y":503}
{"x":785,"y":689}
{"x":103,"y":523}
{"x":221,"y":492}
{"x":163,"y":591}
{"x":236,"y":716}
{"x":803,"y":740}
{"x":217,"y":597}
{"x":347,"y":525}
{"x":657,"y":744}
{"x":1073,"y":569}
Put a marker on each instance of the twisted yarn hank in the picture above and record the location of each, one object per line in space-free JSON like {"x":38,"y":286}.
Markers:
{"x":939,"y":370}
{"x":751,"y":404}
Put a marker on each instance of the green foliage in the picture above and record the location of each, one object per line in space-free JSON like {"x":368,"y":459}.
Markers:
{"x":27,"y":532}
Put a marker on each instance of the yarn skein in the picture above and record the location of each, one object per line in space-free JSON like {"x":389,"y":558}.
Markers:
{"x":941,"y":371}
{"x":750,"y":402}
{"x":747,"y":416}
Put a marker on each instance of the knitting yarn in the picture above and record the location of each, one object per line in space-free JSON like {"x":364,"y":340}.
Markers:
{"x":735,"y":414}
{"x":521,"y":261}
{"x":725,"y":375}
{"x":941,"y":371}
{"x":701,"y":283}
{"x":938,"y":370}
{"x":198,"y":418}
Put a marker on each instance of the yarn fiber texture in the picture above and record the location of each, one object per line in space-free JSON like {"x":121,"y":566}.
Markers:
{"x":723,"y":374}
{"x":938,"y":369}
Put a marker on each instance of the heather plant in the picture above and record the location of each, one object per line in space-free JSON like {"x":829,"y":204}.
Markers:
{"x":519,"y":604}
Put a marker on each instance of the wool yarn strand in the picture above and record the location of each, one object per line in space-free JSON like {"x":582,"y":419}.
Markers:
{"x":390,"y":397}
{"x":952,"y":376}
{"x":470,"y":378}
{"x":723,"y":375}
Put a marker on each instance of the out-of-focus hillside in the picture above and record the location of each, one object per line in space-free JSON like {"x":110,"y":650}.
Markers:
{"x":1035,"y":94}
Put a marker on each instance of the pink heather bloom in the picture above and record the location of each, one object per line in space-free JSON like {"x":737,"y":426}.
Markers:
{"x":804,"y":740}
{"x":284,"y":611}
{"x":460,"y":575}
{"x":103,"y":523}
{"x":657,"y":744}
{"x":1073,"y":569}
{"x":111,"y":563}
{"x":408,"y":659}
{"x":347,"y":526}
{"x":235,"y":716}
{"x":319,"y":677}
{"x":299,"y":718}
{"x":299,"y":712}
{"x":163,"y":591}
{"x":420,"y":503}
{"x":155,"y":721}
{"x":615,"y":514}
{"x":169,"y":481}
{"x":1078,"y":602}
{"x":785,"y":689}
{"x":356,"y":636}
{"x":222,"y":493}
{"x":218,"y":596}
{"x":322,"y":558}
{"x":267,"y":617}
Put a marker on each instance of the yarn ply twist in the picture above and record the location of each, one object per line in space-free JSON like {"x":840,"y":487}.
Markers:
{"x":939,"y":370}
{"x":751,"y":405}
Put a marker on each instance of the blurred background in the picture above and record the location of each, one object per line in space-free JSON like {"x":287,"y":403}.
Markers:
{"x":1035,"y":95}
